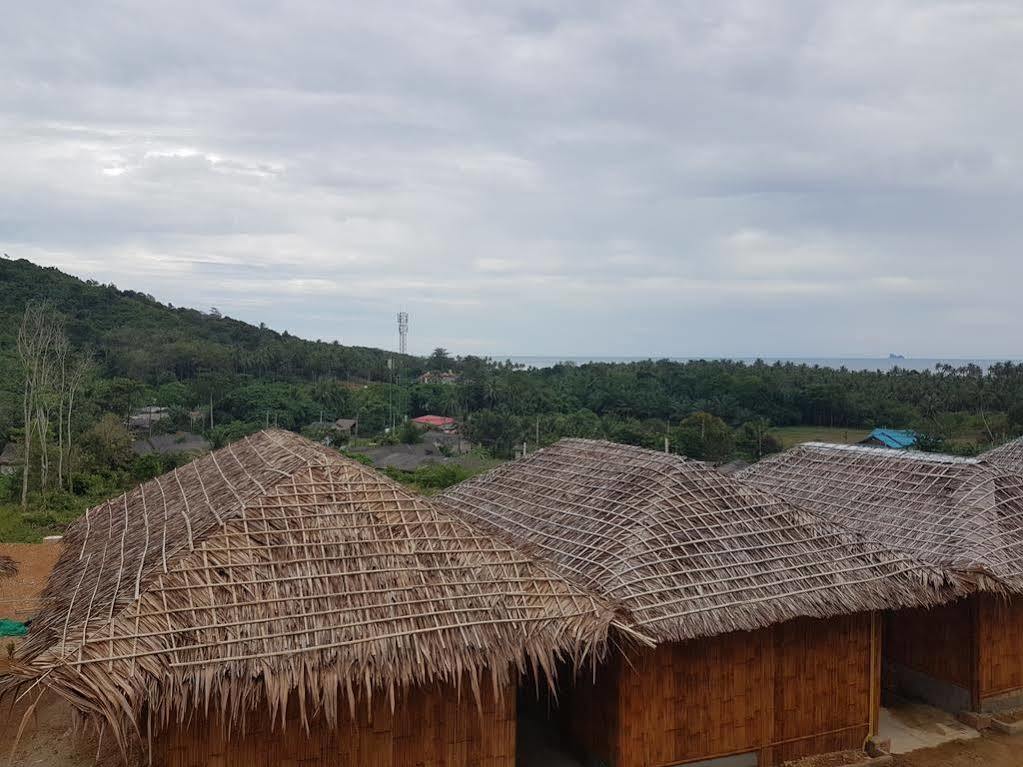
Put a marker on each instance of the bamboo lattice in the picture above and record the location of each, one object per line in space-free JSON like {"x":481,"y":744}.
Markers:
{"x":1008,"y":457}
{"x":960,"y":514}
{"x":689,"y":551}
{"x":276,"y":568}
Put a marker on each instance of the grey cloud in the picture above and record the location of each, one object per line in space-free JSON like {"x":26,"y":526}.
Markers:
{"x":643,"y":178}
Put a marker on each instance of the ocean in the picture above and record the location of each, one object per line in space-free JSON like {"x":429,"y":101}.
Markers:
{"x":850,"y":363}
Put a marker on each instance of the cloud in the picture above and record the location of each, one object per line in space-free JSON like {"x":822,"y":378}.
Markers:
{"x":652,"y":178}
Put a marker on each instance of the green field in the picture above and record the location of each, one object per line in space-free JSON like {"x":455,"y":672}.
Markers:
{"x":793,"y":435}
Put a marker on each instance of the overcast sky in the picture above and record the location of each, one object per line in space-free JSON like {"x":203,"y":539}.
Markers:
{"x":679,"y":178}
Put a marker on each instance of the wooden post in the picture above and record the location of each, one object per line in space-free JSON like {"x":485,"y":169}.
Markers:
{"x":875,"y":673}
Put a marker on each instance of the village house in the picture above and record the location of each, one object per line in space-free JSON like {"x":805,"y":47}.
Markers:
{"x":440,"y":422}
{"x":145,"y":418}
{"x":10,"y":461}
{"x":275,"y":603}
{"x":437,"y":377}
{"x":345,"y":426}
{"x":767,"y":616}
{"x":959,"y":514}
{"x":895,"y":439}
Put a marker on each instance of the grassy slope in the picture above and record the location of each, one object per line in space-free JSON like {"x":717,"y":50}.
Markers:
{"x":793,"y":435}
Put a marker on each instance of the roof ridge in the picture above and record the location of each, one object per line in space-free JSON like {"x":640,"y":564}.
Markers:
{"x":902,"y":455}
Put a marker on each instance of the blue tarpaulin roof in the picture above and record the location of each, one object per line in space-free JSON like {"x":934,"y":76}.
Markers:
{"x":898,"y":439}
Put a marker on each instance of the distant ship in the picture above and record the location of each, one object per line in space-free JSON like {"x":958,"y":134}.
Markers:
{"x":896,"y":357}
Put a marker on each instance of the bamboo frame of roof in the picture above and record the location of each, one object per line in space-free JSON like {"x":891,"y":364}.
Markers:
{"x":276,"y":568}
{"x":1007,"y":457}
{"x":689,"y":551}
{"x":960,"y":514}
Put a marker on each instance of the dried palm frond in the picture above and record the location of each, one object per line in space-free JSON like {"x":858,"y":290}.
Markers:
{"x":689,"y":551}
{"x":276,"y":569}
{"x":1008,"y":457}
{"x":960,"y":514}
{"x":8,"y":567}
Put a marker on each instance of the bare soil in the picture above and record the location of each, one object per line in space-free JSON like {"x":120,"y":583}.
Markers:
{"x":1010,"y":717}
{"x":836,"y":759}
{"x":19,"y":595}
{"x":992,"y":749}
{"x":49,"y":738}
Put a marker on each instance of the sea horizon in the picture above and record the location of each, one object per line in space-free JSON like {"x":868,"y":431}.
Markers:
{"x":837,"y":363}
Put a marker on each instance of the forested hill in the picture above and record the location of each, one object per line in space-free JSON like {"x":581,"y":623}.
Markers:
{"x":132,"y":335}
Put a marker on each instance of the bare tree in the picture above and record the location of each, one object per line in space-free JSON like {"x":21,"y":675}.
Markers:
{"x":80,"y":372}
{"x":61,"y":350}
{"x":36,"y":336}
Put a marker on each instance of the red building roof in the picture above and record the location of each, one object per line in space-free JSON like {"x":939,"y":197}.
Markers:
{"x":434,"y":420}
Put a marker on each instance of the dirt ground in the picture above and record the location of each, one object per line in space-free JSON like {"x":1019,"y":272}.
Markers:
{"x":49,"y":739}
{"x":992,"y":749}
{"x":19,"y":595}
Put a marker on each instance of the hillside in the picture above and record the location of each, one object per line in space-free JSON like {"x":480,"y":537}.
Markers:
{"x":135,"y":336}
{"x":140,"y":344}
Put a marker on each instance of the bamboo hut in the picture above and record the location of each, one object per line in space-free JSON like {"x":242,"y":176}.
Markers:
{"x":1008,"y":457}
{"x":275,"y":603}
{"x":962,"y":515}
{"x":8,"y":567}
{"x":764,"y":613}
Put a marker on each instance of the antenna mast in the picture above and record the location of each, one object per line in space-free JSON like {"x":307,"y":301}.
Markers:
{"x":402,"y":332}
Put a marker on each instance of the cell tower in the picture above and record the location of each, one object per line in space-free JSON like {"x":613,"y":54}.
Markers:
{"x":402,"y":332}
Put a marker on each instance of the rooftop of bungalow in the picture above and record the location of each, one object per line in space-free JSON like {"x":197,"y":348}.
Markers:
{"x":689,"y":551}
{"x":961,"y":514}
{"x":275,"y":566}
{"x":1008,"y":457}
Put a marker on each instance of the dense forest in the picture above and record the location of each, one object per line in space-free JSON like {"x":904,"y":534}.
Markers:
{"x":224,"y":378}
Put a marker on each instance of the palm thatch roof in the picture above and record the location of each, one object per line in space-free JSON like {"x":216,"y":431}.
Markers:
{"x":959,"y":514}
{"x":276,"y":568}
{"x":689,"y":551}
{"x":1008,"y":457}
{"x":8,"y":567}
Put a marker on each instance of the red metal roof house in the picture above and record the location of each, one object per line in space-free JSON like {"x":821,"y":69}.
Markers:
{"x":435,"y":422}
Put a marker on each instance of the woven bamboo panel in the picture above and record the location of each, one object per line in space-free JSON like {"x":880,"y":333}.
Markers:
{"x":822,"y":685}
{"x":798,"y":688}
{"x":935,"y":641}
{"x":430,"y":727}
{"x":1001,"y":645}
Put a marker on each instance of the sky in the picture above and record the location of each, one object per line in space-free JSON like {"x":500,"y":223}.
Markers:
{"x":736,"y":178}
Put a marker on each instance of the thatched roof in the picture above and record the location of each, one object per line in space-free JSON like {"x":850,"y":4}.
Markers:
{"x":8,"y":567}
{"x":959,"y":514}
{"x":276,"y":566}
{"x":689,"y":551}
{"x":1008,"y":457}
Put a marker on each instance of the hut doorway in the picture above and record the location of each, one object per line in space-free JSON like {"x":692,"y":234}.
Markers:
{"x":541,"y":737}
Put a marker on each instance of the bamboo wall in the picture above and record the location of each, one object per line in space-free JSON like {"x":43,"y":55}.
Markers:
{"x":798,"y":688}
{"x":1000,"y":639}
{"x":430,"y":727}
